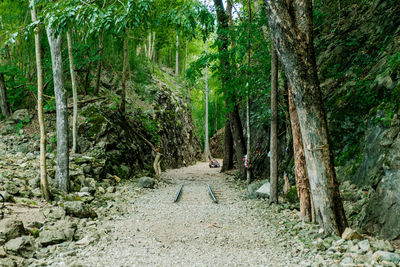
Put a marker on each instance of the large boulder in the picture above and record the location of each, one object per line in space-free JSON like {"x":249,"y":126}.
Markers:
{"x":79,"y":209}
{"x":20,"y":246}
{"x":61,"y":231}
{"x":10,"y":229}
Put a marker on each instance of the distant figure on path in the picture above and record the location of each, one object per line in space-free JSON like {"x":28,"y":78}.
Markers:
{"x":214,"y":163}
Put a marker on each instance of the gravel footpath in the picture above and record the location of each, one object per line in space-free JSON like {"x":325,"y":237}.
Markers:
{"x":154,"y":231}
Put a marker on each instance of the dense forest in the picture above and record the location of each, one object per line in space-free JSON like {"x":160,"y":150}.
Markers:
{"x":285,"y":112}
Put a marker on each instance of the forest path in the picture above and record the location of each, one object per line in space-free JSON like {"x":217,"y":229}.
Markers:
{"x":154,"y":231}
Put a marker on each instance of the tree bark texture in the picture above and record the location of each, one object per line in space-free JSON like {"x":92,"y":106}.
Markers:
{"x":292,"y":30}
{"x":74,"y":91}
{"x":234,"y":118}
{"x":44,"y":186}
{"x":228,"y":146}
{"x":5,"y":110}
{"x":124,"y":75}
{"x":62,"y":168}
{"x":248,"y":180}
{"x":99,"y":64}
{"x":274,"y":127}
{"x":300,"y":170}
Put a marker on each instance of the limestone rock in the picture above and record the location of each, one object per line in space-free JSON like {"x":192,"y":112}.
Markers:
{"x":364,"y":245}
{"x":382,"y":245}
{"x":79,"y":209}
{"x":7,"y":262}
{"x":10,"y":229}
{"x":51,"y":237}
{"x":350,"y":234}
{"x":387,"y":256}
{"x":264,"y":191}
{"x":146,"y":182}
{"x":22,"y":246}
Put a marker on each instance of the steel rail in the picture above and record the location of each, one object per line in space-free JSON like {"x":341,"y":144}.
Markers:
{"x":178,"y":194}
{"x":210,"y":192}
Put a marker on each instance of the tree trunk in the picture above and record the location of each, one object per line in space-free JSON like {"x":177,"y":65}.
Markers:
{"x":248,"y":180}
{"x":169,"y":58}
{"x":62,"y":168}
{"x":124,"y":75}
{"x":274,"y":127}
{"x":5,"y":110}
{"x":300,"y":171}
{"x":234,"y":119}
{"x":74,"y":91}
{"x":177,"y":55}
{"x":292,"y":28}
{"x":99,"y":63}
{"x":228,"y":146}
{"x":238,"y":140}
{"x":44,"y":186}
{"x":206,"y":146}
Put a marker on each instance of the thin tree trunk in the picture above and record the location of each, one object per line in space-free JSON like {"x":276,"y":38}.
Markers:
{"x":99,"y":64}
{"x":186,"y":55}
{"x":62,"y":168}
{"x":300,"y":171}
{"x":74,"y":92}
{"x":153,"y":45}
{"x":169,"y":58}
{"x":206,"y":145}
{"x":238,"y":140}
{"x":149,"y":45}
{"x":5,"y":110}
{"x":177,"y":55}
{"x":44,"y":186}
{"x":248,"y":180}
{"x":292,"y":27}
{"x":124,"y":75}
{"x":274,"y":127}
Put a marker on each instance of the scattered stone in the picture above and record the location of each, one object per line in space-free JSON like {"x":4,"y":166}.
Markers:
{"x":382,"y":245}
{"x":51,"y":237}
{"x":22,"y":246}
{"x":7,"y":262}
{"x":3,"y":253}
{"x":146,"y":182}
{"x":347,"y":261}
{"x":79,"y":209}
{"x":350,"y":234}
{"x":10,"y":229}
{"x":7,"y":196}
{"x":387,"y":256}
{"x":364,"y":245}
{"x":22,"y":115}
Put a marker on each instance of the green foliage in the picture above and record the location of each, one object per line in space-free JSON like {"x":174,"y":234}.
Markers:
{"x":291,"y":195}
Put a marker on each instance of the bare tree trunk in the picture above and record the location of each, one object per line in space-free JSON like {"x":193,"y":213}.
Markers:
{"x":44,"y":186}
{"x":292,"y":27}
{"x":177,"y":55}
{"x":149,"y":46}
{"x":206,"y":145}
{"x":153,"y":45}
{"x":238,"y":140}
{"x":5,"y":109}
{"x":99,"y":64}
{"x":248,"y":180}
{"x":124,"y":74}
{"x":274,"y":127}
{"x":186,"y":55}
{"x":74,"y":91}
{"x":302,"y":182}
{"x":62,"y":168}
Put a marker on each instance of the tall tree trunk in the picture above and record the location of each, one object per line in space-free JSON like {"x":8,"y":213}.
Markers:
{"x":300,"y":171}
{"x":5,"y":109}
{"x":124,"y":75}
{"x":74,"y":91}
{"x":44,"y":186}
{"x":248,"y":180}
{"x":274,"y":127}
{"x":228,"y":147}
{"x":292,"y":27}
{"x":177,"y":55}
{"x":206,"y":146}
{"x":234,"y":118}
{"x":62,"y":168}
{"x":99,"y":64}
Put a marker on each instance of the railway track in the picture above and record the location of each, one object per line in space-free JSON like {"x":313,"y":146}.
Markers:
{"x":209,"y":189}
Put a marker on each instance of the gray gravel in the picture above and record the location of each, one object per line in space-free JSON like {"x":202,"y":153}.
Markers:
{"x":154,"y":231}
